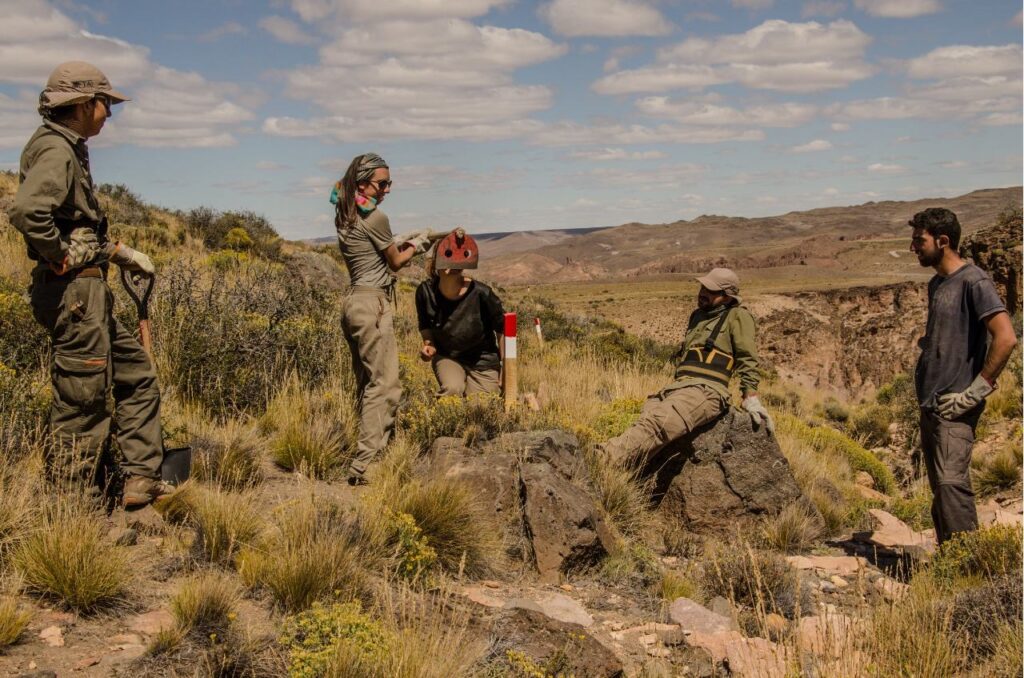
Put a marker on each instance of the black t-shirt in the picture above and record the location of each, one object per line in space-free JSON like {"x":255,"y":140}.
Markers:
{"x":956,"y":341}
{"x":463,"y":329}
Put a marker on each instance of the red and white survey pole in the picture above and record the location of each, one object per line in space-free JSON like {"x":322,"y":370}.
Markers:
{"x":540,"y":335}
{"x":508,"y":366}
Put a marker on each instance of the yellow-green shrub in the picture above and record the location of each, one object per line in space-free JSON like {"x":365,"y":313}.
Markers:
{"x":988,"y":552}
{"x":829,"y":441}
{"x":312,"y":638}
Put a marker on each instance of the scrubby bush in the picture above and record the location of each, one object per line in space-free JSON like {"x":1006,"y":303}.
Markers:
{"x":616,"y":417}
{"x":829,"y":441}
{"x":760,"y":580}
{"x":870,"y":424}
{"x":215,"y":230}
{"x":123,"y":206}
{"x":308,"y":555}
{"x":227,"y":341}
{"x":66,"y":558}
{"x":24,"y":344}
{"x":835,"y":411}
{"x":988,"y":553}
{"x":915,"y":507}
{"x":978,"y":614}
{"x":311,"y":639}
{"x":900,"y":398}
{"x":13,"y":621}
{"x":482,"y":415}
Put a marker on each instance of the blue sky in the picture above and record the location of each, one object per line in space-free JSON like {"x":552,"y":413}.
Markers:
{"x":510,"y":115}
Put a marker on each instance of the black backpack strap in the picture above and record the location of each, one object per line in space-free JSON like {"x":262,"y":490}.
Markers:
{"x":710,"y":343}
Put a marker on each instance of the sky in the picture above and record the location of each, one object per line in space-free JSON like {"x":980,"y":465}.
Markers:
{"x":505,"y":115}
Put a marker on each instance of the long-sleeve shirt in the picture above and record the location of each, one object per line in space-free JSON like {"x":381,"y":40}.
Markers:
{"x":55,"y":193}
{"x":738,"y":338}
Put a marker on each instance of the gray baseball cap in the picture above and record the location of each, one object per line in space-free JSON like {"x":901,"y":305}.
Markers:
{"x":722,"y":280}
{"x":74,"y":82}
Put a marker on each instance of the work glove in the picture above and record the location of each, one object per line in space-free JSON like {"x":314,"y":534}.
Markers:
{"x":954,"y":405}
{"x":410,"y":237}
{"x":428,"y":352}
{"x":130,"y":259}
{"x":83,"y":246}
{"x":758,"y":415}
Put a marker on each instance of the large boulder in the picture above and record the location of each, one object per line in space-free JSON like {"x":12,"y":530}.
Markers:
{"x":725,"y":474}
{"x":536,"y":484}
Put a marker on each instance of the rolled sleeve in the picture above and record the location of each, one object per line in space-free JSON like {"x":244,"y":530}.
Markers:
{"x":744,"y":346}
{"x":42,"y":192}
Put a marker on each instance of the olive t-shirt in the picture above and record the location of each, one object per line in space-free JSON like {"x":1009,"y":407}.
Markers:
{"x":463,"y":329}
{"x":956,"y":339}
{"x":362,"y":246}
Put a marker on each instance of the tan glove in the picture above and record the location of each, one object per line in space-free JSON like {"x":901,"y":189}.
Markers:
{"x":758,"y":414}
{"x":83,"y":246}
{"x":130,"y":259}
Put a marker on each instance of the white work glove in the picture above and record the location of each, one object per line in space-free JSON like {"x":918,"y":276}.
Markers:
{"x":412,"y":237}
{"x":130,"y":259}
{"x":758,"y":415}
{"x":83,"y":246}
{"x":954,"y":405}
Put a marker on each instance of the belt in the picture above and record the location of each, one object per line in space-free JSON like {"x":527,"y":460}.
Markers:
{"x":386,"y":292}
{"x":85,"y":272}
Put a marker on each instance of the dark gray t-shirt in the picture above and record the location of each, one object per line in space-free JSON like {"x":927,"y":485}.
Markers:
{"x":362,"y":247}
{"x":956,"y":340}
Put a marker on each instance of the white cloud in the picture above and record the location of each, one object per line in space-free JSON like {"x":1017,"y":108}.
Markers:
{"x":825,"y":8}
{"x":603,"y":154}
{"x":414,"y":80}
{"x":885,"y":168}
{"x":796,"y":57}
{"x":168,"y":108}
{"x":605,"y":18}
{"x":966,"y":60}
{"x":650,"y":178}
{"x":313,"y":11}
{"x":898,"y":9}
{"x":698,"y":113}
{"x":286,"y":31}
{"x":229,"y":28}
{"x":569,"y":133}
{"x":812,"y":146}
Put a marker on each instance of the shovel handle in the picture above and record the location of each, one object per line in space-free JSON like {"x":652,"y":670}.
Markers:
{"x":145,"y":336}
{"x":139,"y":289}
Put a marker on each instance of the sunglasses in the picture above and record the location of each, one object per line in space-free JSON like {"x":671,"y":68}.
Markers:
{"x":105,"y":101}
{"x":383,"y":184}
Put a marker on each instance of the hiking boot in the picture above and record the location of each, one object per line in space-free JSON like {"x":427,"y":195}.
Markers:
{"x":357,"y":480}
{"x":139,"y":491}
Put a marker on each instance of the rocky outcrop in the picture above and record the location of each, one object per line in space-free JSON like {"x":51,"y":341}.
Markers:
{"x":998,"y":251}
{"x":538,"y":488}
{"x":726,"y":474}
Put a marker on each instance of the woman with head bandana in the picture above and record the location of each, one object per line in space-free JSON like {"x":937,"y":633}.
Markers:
{"x":372,"y":254}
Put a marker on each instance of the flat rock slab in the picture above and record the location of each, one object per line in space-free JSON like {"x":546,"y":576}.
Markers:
{"x":843,"y":565}
{"x":554,"y":606}
{"x":543,"y":639}
{"x":755,"y":658}
{"x":892,"y":533}
{"x":991,"y":513}
{"x":482,"y":595}
{"x":830,"y":635}
{"x":151,"y":623}
{"x":692,"y":616}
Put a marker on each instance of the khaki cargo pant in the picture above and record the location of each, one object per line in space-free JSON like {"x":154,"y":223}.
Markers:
{"x":93,"y":352}
{"x":947,"y":449}
{"x":666,"y":416}
{"x":455,"y":379}
{"x":367,"y":319}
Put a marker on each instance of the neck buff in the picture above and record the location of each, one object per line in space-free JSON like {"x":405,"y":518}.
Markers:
{"x":364,"y":204}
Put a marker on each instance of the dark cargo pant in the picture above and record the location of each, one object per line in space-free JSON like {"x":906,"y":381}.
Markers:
{"x":947,"y":456}
{"x":666,"y":416}
{"x":92,"y":351}
{"x":367,"y":320}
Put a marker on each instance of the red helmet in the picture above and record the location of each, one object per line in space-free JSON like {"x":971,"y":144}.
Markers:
{"x":456,"y":251}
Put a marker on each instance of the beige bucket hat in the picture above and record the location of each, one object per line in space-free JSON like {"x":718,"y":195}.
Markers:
{"x":74,"y":82}
{"x":722,"y":280}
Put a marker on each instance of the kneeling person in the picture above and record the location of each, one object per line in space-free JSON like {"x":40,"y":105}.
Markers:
{"x":460,"y":320}
{"x":719,"y":342}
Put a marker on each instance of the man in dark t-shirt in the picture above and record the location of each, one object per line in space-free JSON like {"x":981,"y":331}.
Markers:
{"x":958,"y":365}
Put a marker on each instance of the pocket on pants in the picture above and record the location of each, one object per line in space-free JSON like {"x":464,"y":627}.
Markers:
{"x":80,"y":380}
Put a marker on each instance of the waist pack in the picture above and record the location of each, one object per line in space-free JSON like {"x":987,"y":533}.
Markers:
{"x":708,"y":362}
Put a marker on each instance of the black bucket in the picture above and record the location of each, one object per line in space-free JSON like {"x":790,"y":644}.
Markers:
{"x":177,"y":465}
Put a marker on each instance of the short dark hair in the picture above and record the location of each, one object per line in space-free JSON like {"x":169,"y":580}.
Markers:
{"x":938,"y":221}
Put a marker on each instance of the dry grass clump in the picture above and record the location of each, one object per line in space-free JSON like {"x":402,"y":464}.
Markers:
{"x":312,"y":433}
{"x":676,"y":585}
{"x":478,"y":417}
{"x":795,"y":528}
{"x":760,"y":580}
{"x":1001,"y":471}
{"x":624,"y":496}
{"x":65,"y":557}
{"x":452,"y":522}
{"x":228,"y":455}
{"x":205,"y":604}
{"x":13,"y":621}
{"x":224,"y":521}
{"x":18,"y":508}
{"x":307,"y":555}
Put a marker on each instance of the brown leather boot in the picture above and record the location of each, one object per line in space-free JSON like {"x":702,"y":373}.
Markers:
{"x":139,"y":491}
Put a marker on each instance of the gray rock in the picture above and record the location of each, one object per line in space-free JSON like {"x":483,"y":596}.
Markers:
{"x":694,"y":617}
{"x":724,"y":474}
{"x":554,"y":606}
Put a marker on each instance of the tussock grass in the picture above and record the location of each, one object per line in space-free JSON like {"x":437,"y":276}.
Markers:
{"x":13,"y":621}
{"x":18,"y":508}
{"x":312,"y":432}
{"x":1001,"y":471}
{"x":307,"y":555}
{"x":760,"y":580}
{"x":224,"y":523}
{"x":205,"y":603}
{"x":793,"y":529}
{"x":228,"y":455}
{"x":675,"y":585}
{"x":66,"y":558}
{"x":478,"y":417}
{"x":830,"y":442}
{"x":624,"y":496}
{"x":452,"y":523}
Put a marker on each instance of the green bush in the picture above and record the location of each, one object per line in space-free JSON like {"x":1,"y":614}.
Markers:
{"x":870,"y":424}
{"x":24,"y":344}
{"x":835,"y":411}
{"x":123,"y":206}
{"x":311,"y":638}
{"x":830,"y":441}
{"x":988,"y":553}
{"x":900,"y":398}
{"x":214,"y":228}
{"x":616,"y":417}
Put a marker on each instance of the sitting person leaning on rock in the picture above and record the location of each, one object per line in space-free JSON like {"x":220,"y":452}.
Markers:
{"x":460,"y":320}
{"x":719,"y":342}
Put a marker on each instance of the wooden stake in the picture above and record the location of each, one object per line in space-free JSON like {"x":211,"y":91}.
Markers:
{"x":508,"y":366}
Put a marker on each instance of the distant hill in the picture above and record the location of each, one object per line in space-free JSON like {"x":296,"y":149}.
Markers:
{"x":824,"y":238}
